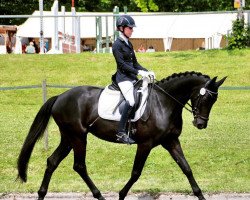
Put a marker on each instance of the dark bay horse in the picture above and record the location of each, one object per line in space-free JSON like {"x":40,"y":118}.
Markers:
{"x":75,"y":113}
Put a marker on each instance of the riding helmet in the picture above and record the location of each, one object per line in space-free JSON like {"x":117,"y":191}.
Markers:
{"x":125,"y":20}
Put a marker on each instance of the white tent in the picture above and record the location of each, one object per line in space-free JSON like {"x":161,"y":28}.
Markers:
{"x":210,"y":26}
{"x":187,"y":25}
{"x":31,"y":27}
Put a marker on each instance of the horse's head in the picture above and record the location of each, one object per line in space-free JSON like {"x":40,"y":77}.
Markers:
{"x":202,"y":101}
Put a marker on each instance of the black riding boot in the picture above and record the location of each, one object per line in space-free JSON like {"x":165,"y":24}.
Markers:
{"x":122,"y":134}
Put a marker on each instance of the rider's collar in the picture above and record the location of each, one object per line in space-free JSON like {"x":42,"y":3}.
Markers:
{"x":124,"y":38}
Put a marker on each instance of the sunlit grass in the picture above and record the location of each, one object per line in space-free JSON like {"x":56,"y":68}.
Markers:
{"x":219,"y":155}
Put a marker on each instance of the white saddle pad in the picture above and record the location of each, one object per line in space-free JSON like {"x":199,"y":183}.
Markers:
{"x":109,"y":100}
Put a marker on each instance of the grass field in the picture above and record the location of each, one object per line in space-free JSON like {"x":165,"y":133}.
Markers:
{"x":219,"y":156}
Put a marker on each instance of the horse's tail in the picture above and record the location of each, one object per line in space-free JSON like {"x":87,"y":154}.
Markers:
{"x":36,"y":132}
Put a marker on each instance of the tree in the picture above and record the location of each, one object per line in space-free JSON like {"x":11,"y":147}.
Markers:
{"x":18,"y":7}
{"x":194,"y":5}
{"x":187,"y":5}
{"x":146,"y":5}
{"x":106,"y":5}
{"x":240,"y":36}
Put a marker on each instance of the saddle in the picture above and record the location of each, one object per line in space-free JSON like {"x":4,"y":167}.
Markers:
{"x":111,"y":102}
{"x":137,"y":97}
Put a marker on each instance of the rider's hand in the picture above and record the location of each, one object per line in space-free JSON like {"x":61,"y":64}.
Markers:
{"x":152,"y":75}
{"x":143,"y":73}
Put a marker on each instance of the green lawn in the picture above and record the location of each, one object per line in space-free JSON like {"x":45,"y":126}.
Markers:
{"x":219,"y":155}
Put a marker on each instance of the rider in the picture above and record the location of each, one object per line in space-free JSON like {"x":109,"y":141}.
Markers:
{"x":127,"y":70}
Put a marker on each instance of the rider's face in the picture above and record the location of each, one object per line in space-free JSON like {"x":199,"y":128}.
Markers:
{"x":128,"y":31}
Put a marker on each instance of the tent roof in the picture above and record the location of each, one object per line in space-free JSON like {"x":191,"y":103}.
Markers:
{"x":184,"y":25}
{"x":31,"y":27}
{"x":197,"y":25}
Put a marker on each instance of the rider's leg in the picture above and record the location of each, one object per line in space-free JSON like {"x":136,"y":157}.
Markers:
{"x":127,"y":89}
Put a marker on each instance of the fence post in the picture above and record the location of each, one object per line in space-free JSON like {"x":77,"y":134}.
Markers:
{"x":107,"y":36}
{"x":41,"y":27}
{"x":44,"y":87}
{"x":115,"y":13}
{"x":98,"y":34}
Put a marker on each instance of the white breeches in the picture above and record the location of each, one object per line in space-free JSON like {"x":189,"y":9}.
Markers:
{"x":127,"y":89}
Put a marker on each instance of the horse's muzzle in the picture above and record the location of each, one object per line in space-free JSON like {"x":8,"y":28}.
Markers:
{"x":200,"y":123}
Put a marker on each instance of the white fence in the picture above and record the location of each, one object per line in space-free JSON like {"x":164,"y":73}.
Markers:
{"x":208,"y":25}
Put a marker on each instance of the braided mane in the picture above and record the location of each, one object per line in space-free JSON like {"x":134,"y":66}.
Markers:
{"x":182,"y":74}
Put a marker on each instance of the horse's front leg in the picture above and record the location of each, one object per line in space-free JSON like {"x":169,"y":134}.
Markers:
{"x":174,"y":148}
{"x":142,"y":153}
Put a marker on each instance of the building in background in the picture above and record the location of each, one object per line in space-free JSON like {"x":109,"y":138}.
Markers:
{"x":7,"y":39}
{"x":163,"y":31}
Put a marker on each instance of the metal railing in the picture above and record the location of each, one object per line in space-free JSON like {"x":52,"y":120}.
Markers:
{"x":44,"y":87}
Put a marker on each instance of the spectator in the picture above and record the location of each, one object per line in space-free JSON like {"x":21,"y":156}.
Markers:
{"x":30,"y":49}
{"x":25,"y":43}
{"x":202,"y":46}
{"x":141,"y":49}
{"x":12,"y":44}
{"x":45,"y":50}
{"x":85,"y":47}
{"x":150,"y":49}
{"x":35,"y":46}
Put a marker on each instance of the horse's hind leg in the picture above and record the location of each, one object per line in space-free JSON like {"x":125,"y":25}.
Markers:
{"x":174,"y":148}
{"x":79,"y":147}
{"x":52,"y":163}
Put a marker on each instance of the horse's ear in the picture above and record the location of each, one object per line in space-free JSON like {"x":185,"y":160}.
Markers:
{"x":212,"y":81}
{"x":220,"y":82}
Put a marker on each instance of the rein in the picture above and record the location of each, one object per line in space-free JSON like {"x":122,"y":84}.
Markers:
{"x":190,"y":110}
{"x":194,"y":109}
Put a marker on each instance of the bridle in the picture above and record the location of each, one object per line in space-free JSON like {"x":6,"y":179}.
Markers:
{"x":202,"y":93}
{"x":194,"y":109}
